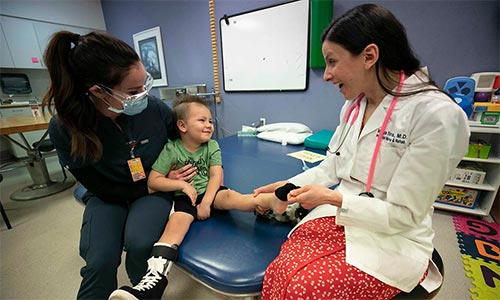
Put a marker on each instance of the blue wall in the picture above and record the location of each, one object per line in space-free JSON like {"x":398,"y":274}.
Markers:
{"x":453,"y":38}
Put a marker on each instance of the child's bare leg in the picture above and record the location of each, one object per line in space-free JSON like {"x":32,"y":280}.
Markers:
{"x":177,"y":228}
{"x":228,"y":199}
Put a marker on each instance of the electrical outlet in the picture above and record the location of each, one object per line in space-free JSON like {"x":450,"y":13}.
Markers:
{"x":262,"y":122}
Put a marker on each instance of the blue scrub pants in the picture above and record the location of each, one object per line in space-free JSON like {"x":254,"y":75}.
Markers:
{"x":107,"y":229}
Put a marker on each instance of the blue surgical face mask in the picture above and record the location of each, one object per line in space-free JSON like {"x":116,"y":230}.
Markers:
{"x":131,"y":104}
{"x":130,"y":108}
{"x":135,"y":107}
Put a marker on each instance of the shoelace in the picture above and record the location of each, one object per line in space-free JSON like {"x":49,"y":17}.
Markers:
{"x":152,"y":276}
{"x":148,"y":281}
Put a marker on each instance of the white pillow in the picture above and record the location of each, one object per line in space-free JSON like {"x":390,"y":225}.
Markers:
{"x":292,"y":138}
{"x":285,"y":127}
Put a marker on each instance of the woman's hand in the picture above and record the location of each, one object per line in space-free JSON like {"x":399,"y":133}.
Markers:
{"x":310,"y":196}
{"x":185,"y":173}
{"x":270,"y":188}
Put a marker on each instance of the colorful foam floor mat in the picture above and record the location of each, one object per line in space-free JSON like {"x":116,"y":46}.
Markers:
{"x":479,"y":243}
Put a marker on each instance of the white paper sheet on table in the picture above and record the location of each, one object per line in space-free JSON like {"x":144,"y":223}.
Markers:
{"x":308,"y":156}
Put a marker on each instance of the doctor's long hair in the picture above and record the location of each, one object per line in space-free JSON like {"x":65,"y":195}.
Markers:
{"x":369,"y":23}
{"x":75,"y":63}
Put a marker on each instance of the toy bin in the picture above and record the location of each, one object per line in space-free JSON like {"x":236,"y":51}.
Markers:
{"x":478,"y":149}
{"x":459,"y":196}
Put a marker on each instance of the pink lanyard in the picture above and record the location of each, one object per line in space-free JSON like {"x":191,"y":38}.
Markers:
{"x":380,"y":136}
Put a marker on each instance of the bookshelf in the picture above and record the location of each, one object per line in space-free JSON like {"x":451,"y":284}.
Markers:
{"x":491,"y":166}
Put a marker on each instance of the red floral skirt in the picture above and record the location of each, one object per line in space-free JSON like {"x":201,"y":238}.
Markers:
{"x":311,"y":265}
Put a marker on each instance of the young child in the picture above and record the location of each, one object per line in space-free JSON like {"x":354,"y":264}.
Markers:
{"x":193,"y":200}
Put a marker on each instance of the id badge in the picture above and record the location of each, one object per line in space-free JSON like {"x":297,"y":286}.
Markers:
{"x":136,"y":169}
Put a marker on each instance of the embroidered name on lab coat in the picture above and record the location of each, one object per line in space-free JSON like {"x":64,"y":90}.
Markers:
{"x":394,"y":137}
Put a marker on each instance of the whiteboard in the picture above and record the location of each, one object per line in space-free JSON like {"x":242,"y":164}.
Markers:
{"x":266,"y":49}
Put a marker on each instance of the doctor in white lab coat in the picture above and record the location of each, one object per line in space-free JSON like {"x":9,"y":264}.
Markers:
{"x":381,"y":223}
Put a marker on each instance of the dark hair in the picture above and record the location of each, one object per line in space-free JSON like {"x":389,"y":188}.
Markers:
{"x":181,"y":105}
{"x":75,"y":63}
{"x":368,"y":23}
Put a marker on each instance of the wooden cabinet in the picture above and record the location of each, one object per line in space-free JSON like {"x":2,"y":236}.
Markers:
{"x":491,"y":165}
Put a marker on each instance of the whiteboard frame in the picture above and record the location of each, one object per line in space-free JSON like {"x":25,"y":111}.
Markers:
{"x":303,"y":85}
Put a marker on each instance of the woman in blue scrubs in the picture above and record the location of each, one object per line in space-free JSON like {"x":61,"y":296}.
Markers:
{"x":108,"y":132}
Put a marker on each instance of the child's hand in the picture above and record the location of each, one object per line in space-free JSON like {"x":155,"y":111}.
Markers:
{"x":190,"y":191}
{"x":203,"y":211}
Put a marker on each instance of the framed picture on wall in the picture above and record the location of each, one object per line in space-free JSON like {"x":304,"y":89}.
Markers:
{"x":148,"y":45}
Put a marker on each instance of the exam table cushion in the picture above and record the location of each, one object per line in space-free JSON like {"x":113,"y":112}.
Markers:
{"x":231,"y":251}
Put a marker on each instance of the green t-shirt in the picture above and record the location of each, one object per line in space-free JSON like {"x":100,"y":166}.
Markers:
{"x":174,"y":152}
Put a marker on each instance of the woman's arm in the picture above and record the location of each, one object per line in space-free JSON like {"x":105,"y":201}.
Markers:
{"x":159,"y":182}
{"x":108,"y":190}
{"x":310,"y":196}
{"x":95,"y":182}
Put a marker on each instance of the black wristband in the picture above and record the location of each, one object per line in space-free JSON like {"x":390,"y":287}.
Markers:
{"x":282,"y":192}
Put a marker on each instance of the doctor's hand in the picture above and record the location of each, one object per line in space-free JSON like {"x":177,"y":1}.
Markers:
{"x":270,"y":188}
{"x":185,"y":173}
{"x":310,"y":196}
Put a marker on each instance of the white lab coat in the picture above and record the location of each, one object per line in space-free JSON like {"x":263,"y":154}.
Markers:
{"x":390,"y":236}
